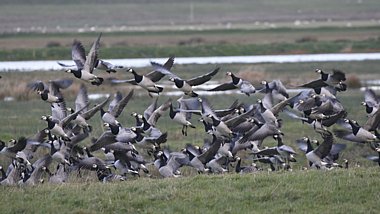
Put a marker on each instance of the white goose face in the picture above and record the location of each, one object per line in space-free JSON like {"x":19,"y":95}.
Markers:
{"x":264,"y":82}
{"x":171,"y":79}
{"x":130,"y":70}
{"x":69,"y":71}
{"x":229,"y":73}
{"x":318,"y":71}
{"x":364,"y":103}
{"x":44,"y":118}
{"x":106,"y":124}
{"x":140,"y":116}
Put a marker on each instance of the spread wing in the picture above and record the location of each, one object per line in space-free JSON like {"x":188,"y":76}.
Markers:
{"x":224,"y":87}
{"x":78,"y":54}
{"x":119,"y":107}
{"x":92,"y":56}
{"x":202,"y":79}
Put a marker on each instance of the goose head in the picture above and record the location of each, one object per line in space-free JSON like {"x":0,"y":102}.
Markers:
{"x":229,"y":73}
{"x":71,"y":110}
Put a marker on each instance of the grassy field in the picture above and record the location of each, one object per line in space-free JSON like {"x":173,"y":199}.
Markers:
{"x":47,"y":16}
{"x":337,"y":191}
{"x":194,"y":43}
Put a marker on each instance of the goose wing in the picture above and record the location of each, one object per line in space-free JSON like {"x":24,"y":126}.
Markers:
{"x":91,"y":112}
{"x":20,"y":145}
{"x":105,"y":139}
{"x":159,"y":112}
{"x":119,"y":107}
{"x":202,"y":79}
{"x":82,"y":98}
{"x":148,"y":111}
{"x":78,"y":54}
{"x":208,"y":155}
{"x":224,"y":87}
{"x":325,"y":147}
{"x":160,"y":70}
{"x":92,"y":56}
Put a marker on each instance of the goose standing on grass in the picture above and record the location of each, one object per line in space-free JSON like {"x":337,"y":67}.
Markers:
{"x":85,"y":65}
{"x":237,"y":83}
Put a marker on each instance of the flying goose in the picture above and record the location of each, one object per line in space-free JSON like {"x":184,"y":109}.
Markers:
{"x":186,"y":86}
{"x":14,"y":174}
{"x":115,"y":108}
{"x":286,"y":152}
{"x":198,"y":160}
{"x":50,"y":92}
{"x":156,"y":114}
{"x":148,"y":81}
{"x":85,"y":113}
{"x":274,"y":91}
{"x":355,"y":133}
{"x":175,"y":161}
{"x":315,"y":157}
{"x":85,"y":65}
{"x":332,"y":81}
{"x":237,"y":83}
{"x":179,"y":116}
{"x":11,"y":151}
{"x":39,"y":167}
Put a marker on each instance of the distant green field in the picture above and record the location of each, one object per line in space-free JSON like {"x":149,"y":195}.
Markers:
{"x":58,"y":16}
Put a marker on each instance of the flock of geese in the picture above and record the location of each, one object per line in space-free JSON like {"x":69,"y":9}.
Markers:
{"x":235,"y":132}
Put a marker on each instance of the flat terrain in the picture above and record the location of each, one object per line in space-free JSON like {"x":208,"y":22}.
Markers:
{"x":338,"y":191}
{"x":55,"y":16}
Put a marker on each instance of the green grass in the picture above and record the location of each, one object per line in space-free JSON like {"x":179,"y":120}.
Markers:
{"x":337,"y":191}
{"x":73,"y":15}
{"x":59,"y":53}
